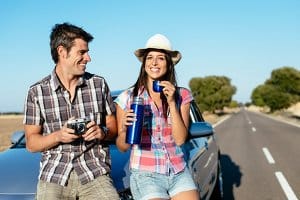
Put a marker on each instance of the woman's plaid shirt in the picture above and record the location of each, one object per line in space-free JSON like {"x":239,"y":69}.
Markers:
{"x":157,"y":151}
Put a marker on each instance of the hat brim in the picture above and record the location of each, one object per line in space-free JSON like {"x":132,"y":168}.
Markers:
{"x":175,"y":55}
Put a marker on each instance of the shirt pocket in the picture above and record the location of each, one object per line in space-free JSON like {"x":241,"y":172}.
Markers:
{"x":53,"y":124}
{"x":52,"y":120}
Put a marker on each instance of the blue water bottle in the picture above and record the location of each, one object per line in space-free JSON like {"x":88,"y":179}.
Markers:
{"x":134,"y":131}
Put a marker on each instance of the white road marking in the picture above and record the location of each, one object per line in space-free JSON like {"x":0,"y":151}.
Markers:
{"x":221,"y":121}
{"x":285,"y":186}
{"x":268,"y":155}
{"x":253,"y":129}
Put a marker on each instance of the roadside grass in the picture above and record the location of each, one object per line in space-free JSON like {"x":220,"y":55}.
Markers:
{"x":8,"y":125}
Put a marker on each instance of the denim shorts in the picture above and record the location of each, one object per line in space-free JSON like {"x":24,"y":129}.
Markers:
{"x":147,"y":185}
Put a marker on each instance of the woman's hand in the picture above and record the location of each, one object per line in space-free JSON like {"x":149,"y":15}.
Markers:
{"x":128,"y":118}
{"x":169,"y":91}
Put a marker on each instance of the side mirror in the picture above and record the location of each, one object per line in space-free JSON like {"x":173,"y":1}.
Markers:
{"x":200,"y":129}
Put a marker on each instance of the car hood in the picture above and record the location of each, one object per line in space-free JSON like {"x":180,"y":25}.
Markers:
{"x":19,"y":171}
{"x":14,"y":183}
{"x":17,"y":196}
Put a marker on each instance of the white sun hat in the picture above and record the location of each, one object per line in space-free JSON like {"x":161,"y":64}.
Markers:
{"x":159,"y":41}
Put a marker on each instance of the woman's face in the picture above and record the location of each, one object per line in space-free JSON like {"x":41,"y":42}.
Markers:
{"x":155,"y":65}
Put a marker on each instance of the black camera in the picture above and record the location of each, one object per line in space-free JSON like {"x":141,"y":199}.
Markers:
{"x":79,"y":125}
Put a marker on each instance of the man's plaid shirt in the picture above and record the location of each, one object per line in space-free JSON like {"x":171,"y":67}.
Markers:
{"x":48,"y":105}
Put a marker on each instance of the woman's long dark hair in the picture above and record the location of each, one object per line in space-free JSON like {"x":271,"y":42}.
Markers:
{"x":170,"y":75}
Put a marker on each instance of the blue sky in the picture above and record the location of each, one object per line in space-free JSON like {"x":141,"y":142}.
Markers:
{"x":243,"y":40}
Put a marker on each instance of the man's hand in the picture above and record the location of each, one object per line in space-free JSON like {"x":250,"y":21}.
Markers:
{"x":93,"y":132}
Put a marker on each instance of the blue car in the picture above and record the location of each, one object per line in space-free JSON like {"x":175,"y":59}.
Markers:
{"x":19,"y":168}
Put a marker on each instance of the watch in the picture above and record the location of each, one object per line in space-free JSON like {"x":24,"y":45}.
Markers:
{"x":105,"y":131}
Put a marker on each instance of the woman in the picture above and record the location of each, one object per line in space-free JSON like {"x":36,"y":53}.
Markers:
{"x":158,"y":169}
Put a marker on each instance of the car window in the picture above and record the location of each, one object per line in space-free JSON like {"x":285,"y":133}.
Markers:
{"x":195,"y":114}
{"x":18,"y":139}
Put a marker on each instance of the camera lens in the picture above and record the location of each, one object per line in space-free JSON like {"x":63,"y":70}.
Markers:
{"x":80,"y":128}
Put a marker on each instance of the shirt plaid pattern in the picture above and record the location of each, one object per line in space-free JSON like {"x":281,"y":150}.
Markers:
{"x":157,"y":151}
{"x":48,"y":104}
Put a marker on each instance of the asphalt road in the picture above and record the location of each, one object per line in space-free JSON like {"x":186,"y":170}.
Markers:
{"x":260,"y":157}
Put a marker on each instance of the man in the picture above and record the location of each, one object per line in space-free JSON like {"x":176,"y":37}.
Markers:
{"x":68,"y":115}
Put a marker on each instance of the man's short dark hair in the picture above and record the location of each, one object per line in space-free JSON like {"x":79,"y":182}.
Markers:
{"x":64,"y":35}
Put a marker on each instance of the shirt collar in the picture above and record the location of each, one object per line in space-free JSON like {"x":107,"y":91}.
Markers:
{"x":56,"y":83}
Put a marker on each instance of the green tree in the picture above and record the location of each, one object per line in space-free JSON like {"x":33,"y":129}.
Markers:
{"x":234,"y":104}
{"x":286,"y":80}
{"x":258,"y":94}
{"x":270,"y":96}
{"x":212,"y":92}
{"x":280,"y":91}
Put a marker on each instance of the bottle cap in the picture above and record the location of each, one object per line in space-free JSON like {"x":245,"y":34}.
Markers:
{"x":138,"y":100}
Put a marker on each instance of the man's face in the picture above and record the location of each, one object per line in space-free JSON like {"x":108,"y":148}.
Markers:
{"x":77,"y":58}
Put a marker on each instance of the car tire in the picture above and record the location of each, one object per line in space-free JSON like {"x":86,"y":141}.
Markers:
{"x":217,"y":193}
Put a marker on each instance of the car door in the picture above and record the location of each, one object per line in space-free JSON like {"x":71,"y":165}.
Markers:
{"x":201,"y":152}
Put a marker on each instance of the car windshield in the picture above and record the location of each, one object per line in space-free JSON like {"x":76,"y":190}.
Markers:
{"x":18,"y":140}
